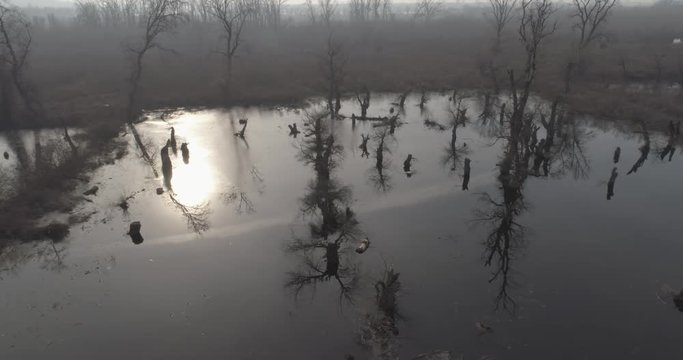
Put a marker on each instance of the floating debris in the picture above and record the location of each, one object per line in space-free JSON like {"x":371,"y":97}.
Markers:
{"x":483,"y":328}
{"x":92,"y":191}
{"x":617,"y":154}
{"x":436,"y":355}
{"x":160,"y":190}
{"x":6,"y":155}
{"x":364,"y":245}
{"x":431,"y":124}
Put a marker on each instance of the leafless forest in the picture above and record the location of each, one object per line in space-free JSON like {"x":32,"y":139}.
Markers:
{"x":104,"y":58}
{"x":98,"y":65}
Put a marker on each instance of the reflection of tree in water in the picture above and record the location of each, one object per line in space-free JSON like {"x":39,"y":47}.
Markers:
{"x":559,"y":152}
{"x":454,"y":154}
{"x":143,"y":144}
{"x":379,"y":176}
{"x":490,"y":122}
{"x":49,"y":254}
{"x":674,"y":132}
{"x":240,"y":199}
{"x":195,"y":215}
{"x":569,"y":152}
{"x":324,"y":260}
{"x":644,"y":149}
{"x":379,"y":330}
{"x":562,"y":150}
{"x":332,"y":224}
{"x":506,"y":235}
{"x":247,"y":176}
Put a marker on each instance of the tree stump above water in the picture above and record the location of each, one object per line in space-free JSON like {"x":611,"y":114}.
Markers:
{"x":134,"y":232}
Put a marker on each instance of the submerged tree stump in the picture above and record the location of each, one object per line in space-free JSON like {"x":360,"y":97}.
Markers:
{"x":166,"y":164}
{"x":610,"y":183}
{"x":466,"y":176}
{"x":185,"y":153}
{"x":243,"y":122}
{"x":407,"y":165}
{"x":364,"y":245}
{"x":293,"y":130}
{"x":92,"y":191}
{"x":678,"y":301}
{"x":134,"y":232}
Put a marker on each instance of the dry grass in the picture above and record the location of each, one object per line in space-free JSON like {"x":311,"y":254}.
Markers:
{"x":81,"y":73}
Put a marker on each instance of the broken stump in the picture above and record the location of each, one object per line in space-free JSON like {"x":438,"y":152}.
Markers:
{"x":134,"y":232}
{"x":92,"y":191}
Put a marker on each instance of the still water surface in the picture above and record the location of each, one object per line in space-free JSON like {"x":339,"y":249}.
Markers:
{"x":233,"y":263}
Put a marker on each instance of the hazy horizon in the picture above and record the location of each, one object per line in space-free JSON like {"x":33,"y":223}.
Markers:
{"x":67,"y":3}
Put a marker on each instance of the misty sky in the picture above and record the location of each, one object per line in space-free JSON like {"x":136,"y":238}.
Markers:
{"x":63,"y":3}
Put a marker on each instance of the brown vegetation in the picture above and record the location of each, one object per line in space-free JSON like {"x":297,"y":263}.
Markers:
{"x":83,"y":71}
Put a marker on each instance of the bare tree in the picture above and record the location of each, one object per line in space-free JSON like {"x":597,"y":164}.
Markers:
{"x":590,"y":15}
{"x":273,"y":12}
{"x":158,"y":16}
{"x":501,"y":14}
{"x":332,"y":64}
{"x":366,"y":10}
{"x":426,"y":10}
{"x":111,"y":12}
{"x":232,"y":15}
{"x":15,"y":44}
{"x":129,"y":12}
{"x":535,"y":25}
{"x":359,"y":10}
{"x":327,"y":10}
{"x":87,"y":13}
{"x":311,"y":12}
{"x":387,"y":13}
{"x":363,"y":102}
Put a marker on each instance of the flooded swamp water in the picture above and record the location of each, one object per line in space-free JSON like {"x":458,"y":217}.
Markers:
{"x":250,"y":251}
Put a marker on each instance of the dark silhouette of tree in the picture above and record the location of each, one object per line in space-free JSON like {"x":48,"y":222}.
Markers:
{"x":332,"y":224}
{"x":500,"y":15}
{"x":644,"y":149}
{"x":157,"y":17}
{"x":379,"y":177}
{"x":506,"y":234}
{"x":15,"y":45}
{"x":232,"y":16}
{"x":332,"y":65}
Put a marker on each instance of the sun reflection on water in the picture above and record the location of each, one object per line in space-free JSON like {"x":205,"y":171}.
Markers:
{"x":194,"y":182}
